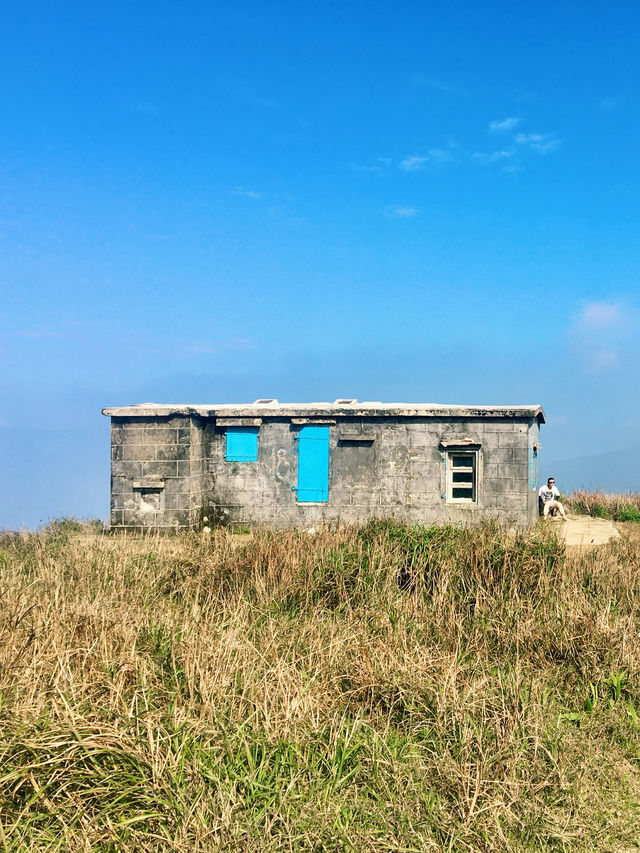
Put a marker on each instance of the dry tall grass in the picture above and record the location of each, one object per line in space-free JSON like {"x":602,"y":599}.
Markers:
{"x":381,"y":689}
{"x":619,"y":507}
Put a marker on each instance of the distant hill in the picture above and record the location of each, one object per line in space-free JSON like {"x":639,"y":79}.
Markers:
{"x":617,"y":471}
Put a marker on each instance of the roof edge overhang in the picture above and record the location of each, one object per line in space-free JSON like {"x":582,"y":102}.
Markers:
{"x":328,"y":410}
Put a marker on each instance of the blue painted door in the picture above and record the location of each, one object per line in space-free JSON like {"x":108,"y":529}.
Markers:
{"x":313,"y":464}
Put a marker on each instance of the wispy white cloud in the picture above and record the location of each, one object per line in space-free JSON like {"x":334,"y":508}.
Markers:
{"x":40,"y":333}
{"x":600,"y":316}
{"x":510,"y":156}
{"x":611,"y":103}
{"x":605,"y":359}
{"x":380,"y":165}
{"x":246,"y":193}
{"x":505,"y":124}
{"x":493,"y":156}
{"x":515,"y":147}
{"x":68,"y":330}
{"x":602,"y":331}
{"x":412,"y":163}
{"x":149,"y":343}
{"x":266,"y":102}
{"x":513,"y":167}
{"x":376,"y":170}
{"x":214,"y":347}
{"x":542,"y":143}
{"x":423,"y":81}
{"x":415,"y":162}
{"x":439,"y":155}
{"x":523,"y":96}
{"x":401,"y":211}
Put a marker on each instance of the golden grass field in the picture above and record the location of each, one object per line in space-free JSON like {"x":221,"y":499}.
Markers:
{"x":376,"y":689}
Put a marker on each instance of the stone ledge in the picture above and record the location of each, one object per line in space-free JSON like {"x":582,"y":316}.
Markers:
{"x":301,"y":410}
{"x":149,"y":483}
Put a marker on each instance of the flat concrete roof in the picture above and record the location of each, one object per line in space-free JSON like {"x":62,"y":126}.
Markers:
{"x":341,"y":407}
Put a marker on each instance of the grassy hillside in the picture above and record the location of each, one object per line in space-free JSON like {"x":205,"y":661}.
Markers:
{"x":386,"y":689}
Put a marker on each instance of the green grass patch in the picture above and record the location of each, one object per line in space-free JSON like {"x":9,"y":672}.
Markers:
{"x":622,"y":507}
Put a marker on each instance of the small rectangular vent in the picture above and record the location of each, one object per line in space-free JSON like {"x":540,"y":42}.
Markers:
{"x":265,"y":401}
{"x":345,"y":401}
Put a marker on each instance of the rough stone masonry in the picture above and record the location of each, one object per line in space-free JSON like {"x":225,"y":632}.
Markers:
{"x":282,"y":465}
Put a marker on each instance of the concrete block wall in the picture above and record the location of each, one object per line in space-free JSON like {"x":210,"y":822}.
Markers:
{"x":400,"y":473}
{"x":169,"y":470}
{"x":156,"y":472}
{"x":197,"y":470}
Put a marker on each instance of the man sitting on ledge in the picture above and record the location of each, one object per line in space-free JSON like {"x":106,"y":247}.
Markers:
{"x":548,"y":496}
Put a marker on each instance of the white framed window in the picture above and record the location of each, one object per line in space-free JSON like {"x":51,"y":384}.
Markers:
{"x":462,"y":476}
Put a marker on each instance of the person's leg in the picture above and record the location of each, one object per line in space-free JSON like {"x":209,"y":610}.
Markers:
{"x":555,"y":505}
{"x":546,"y":508}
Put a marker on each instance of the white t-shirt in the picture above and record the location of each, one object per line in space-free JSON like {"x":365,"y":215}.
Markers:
{"x":549,"y":494}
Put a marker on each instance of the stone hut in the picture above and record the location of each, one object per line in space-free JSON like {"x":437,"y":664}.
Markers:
{"x":290,"y":464}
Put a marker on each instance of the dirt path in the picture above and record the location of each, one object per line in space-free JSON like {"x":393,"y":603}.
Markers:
{"x":585,"y":532}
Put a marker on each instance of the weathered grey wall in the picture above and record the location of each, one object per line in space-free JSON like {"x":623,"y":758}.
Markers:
{"x":156,"y":460}
{"x":401,"y":473}
{"x":178,"y":463}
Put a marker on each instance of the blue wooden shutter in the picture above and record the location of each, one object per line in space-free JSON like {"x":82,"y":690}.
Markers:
{"x":242,"y":444}
{"x":313,"y":464}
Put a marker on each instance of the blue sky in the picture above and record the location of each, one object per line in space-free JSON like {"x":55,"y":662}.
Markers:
{"x":215,"y":202}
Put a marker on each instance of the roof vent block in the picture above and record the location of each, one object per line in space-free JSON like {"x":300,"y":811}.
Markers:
{"x":265,"y":401}
{"x":345,"y":401}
